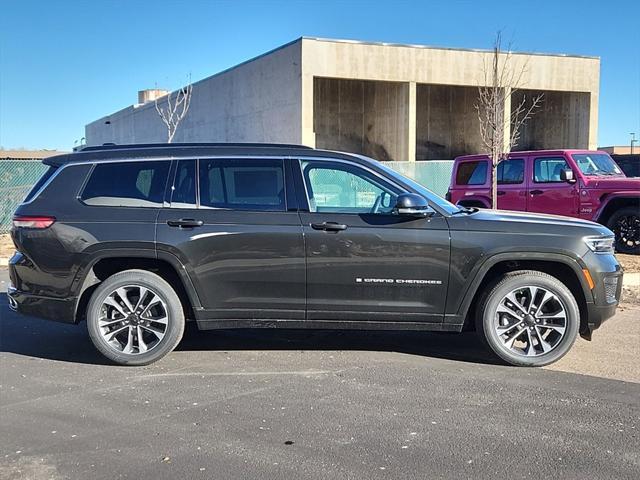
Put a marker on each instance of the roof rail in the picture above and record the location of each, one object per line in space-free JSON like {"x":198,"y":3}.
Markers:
{"x":113,"y":146}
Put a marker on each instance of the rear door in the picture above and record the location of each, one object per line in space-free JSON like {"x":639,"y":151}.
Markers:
{"x":548,"y":193}
{"x":365,"y":263}
{"x":512,"y":189}
{"x":233,"y":224}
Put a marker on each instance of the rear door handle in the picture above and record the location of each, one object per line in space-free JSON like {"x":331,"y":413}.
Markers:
{"x":185,"y":223}
{"x":501,"y":192}
{"x":329,"y":226}
{"x":536,"y":192}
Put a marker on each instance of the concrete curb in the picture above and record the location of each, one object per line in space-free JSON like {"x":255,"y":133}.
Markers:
{"x":4,"y":261}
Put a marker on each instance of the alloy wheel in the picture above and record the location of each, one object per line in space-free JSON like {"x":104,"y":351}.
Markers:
{"x":627,"y":230}
{"x":133,"y":319}
{"x":530,"y":321}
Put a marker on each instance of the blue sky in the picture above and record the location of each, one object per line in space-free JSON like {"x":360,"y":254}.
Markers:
{"x":64,"y":64}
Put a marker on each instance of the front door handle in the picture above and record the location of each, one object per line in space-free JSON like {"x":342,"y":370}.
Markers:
{"x":329,"y":226}
{"x":536,"y":192}
{"x":185,"y":223}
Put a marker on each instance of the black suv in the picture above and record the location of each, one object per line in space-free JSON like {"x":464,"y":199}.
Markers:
{"x":137,"y":239}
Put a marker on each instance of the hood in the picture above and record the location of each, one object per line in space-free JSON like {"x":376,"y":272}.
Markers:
{"x":612,"y":183}
{"x":529,"y":223}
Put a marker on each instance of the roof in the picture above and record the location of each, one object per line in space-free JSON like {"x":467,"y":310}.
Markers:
{"x":432,"y":47}
{"x":192,"y":150}
{"x":529,"y":152}
{"x":27,"y":154}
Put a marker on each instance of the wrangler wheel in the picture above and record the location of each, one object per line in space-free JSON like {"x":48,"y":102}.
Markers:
{"x":625,"y":224}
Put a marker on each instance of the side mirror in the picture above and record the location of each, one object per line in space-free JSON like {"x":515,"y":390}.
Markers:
{"x":414,"y":205}
{"x":566,"y":175}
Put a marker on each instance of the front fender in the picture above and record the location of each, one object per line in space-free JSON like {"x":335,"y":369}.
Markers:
{"x":480,"y":271}
{"x":611,"y":197}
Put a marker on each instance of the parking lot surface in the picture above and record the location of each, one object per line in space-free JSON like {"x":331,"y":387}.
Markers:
{"x":298,"y":404}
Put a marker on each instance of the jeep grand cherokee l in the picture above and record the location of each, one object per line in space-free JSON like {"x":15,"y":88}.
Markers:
{"x":139,"y":239}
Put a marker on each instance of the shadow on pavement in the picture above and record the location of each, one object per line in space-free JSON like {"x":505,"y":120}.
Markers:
{"x":70,"y":343}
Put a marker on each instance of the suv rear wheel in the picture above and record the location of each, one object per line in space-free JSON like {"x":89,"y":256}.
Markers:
{"x":135,"y":318}
{"x":528,"y":318}
{"x":625,"y":223}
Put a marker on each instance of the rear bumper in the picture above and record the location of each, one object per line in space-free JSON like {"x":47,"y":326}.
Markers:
{"x":59,"y":310}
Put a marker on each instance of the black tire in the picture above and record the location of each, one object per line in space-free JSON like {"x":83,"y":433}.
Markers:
{"x":629,"y":241}
{"x":174,"y":312}
{"x":488,"y":304}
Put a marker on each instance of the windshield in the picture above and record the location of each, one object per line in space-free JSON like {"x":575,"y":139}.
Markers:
{"x":431,"y":197}
{"x":597,"y":164}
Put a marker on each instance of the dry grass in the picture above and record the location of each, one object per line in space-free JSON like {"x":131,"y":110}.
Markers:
{"x":6,"y":246}
{"x":630,"y":263}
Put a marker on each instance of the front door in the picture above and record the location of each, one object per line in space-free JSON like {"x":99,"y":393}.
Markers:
{"x":548,"y":193}
{"x":512,"y":189}
{"x":364,"y":262}
{"x":233,"y":226}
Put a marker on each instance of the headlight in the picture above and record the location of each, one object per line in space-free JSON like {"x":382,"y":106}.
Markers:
{"x":600,"y":244}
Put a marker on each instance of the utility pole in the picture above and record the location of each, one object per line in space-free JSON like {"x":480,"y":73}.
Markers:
{"x":633,"y":140}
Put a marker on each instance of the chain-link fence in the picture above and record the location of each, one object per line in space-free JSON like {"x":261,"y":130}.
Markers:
{"x":16,"y":179}
{"x":18,"y":176}
{"x":433,"y":174}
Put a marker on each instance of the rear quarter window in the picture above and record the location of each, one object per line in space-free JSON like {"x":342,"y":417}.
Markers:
{"x":127,"y":184}
{"x":40,"y":183}
{"x":472,"y":173}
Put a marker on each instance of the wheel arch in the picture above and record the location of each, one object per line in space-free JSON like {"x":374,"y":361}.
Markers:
{"x":166,"y":266}
{"x":612,"y":203}
{"x":564,"y":268}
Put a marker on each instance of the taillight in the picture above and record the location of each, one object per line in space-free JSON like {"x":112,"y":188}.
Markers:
{"x":25,"y":221}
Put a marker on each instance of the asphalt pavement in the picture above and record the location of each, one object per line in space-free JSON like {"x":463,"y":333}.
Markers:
{"x":287,"y":404}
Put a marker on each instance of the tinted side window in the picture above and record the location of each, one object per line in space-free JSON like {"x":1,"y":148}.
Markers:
{"x":510,"y":171}
{"x":472,"y":173}
{"x":127,"y":184}
{"x":547,"y":170}
{"x":242,"y":184}
{"x":183,"y":190}
{"x":343,"y":188}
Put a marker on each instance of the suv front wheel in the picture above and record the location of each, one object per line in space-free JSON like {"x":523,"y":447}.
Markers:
{"x":528,"y":318}
{"x":135,"y":318}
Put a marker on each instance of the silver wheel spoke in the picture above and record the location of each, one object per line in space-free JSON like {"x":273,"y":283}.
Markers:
{"x":112,"y":334}
{"x":503,"y":308}
{"x":113,"y":303}
{"x":128,"y":348}
{"x":139,"y":304}
{"x":512,"y":298}
{"x":155,"y":331}
{"x":547,"y":296}
{"x":511,"y":340}
{"x":122,"y":293}
{"x":142,"y":347}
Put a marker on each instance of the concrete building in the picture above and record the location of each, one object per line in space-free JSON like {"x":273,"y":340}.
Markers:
{"x":391,"y":102}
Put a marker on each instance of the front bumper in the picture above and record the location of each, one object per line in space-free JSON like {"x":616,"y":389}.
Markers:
{"x":607,"y":278}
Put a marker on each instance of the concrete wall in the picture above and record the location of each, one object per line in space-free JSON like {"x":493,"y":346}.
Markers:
{"x":257,"y":101}
{"x":441,"y":66}
{"x":361,"y":117}
{"x":562,"y":121}
{"x":447,"y":123}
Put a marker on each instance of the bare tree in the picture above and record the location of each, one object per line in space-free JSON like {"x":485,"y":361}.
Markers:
{"x":500,"y":122}
{"x":174,"y":109}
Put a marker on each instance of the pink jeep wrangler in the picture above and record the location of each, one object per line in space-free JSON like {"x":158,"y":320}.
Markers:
{"x":576,"y":183}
